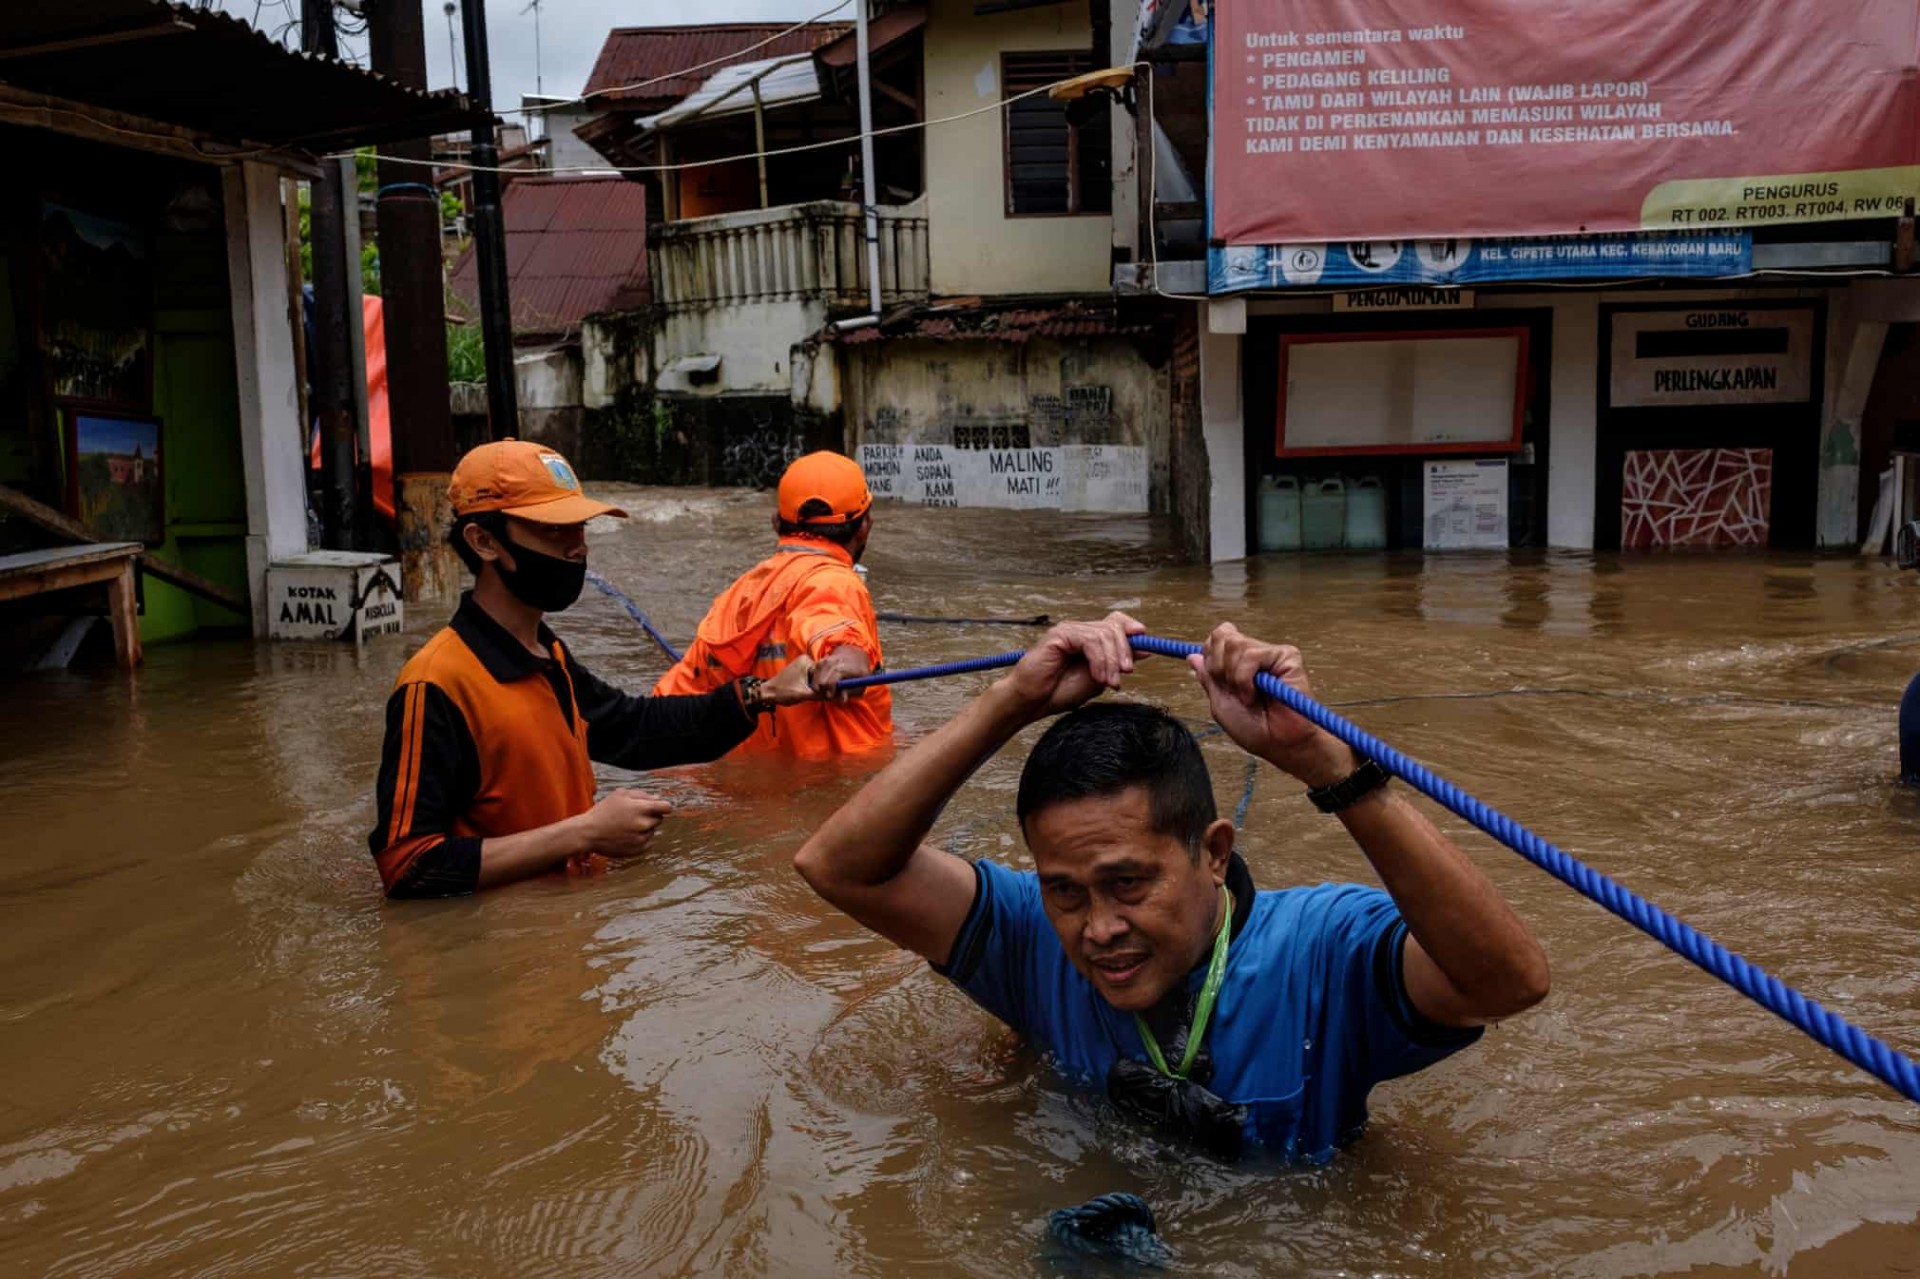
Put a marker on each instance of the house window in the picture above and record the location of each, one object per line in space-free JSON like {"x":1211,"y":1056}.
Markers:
{"x":1053,"y":166}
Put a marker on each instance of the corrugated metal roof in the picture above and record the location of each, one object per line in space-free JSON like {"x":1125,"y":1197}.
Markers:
{"x":635,"y":55}
{"x":782,"y":82}
{"x":209,"y":71}
{"x":575,"y":247}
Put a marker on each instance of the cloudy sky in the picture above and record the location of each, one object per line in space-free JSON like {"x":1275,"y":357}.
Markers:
{"x":570,"y":35}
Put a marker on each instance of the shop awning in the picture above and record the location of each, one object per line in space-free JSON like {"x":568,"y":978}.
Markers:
{"x":211,"y":72}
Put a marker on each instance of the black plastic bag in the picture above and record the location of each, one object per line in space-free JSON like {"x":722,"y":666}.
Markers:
{"x":1179,"y":1108}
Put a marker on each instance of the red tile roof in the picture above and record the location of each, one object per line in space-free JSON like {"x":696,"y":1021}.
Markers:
{"x":666,"y":56}
{"x":575,"y":247}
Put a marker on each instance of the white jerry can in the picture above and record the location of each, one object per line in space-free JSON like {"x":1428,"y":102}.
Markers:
{"x":1366,"y":515}
{"x":1323,"y":515}
{"x":326,"y":595}
{"x":1280,"y":513}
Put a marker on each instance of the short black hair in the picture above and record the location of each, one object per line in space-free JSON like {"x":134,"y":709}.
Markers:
{"x":840,"y":534}
{"x":495,"y":522}
{"x":1109,"y":747}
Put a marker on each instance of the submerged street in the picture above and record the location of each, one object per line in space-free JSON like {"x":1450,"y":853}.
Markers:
{"x":230,"y":1056}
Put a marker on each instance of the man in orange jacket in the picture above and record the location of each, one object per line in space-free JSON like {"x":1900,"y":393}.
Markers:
{"x":805,"y":600}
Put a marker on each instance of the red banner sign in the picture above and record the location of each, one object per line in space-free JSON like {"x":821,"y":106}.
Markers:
{"x":1424,"y":119}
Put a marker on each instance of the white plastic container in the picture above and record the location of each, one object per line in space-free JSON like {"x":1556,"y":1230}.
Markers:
{"x":1280,"y":513}
{"x":1323,"y":515}
{"x":1366,"y":525}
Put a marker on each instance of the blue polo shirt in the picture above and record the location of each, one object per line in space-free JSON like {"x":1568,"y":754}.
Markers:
{"x":1312,"y":1013}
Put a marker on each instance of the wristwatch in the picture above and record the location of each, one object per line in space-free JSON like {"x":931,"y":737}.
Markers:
{"x":754,"y":696}
{"x":1352,"y":788}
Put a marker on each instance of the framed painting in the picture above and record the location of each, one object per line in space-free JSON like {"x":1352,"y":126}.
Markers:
{"x":96,"y":310}
{"x":114,"y":477}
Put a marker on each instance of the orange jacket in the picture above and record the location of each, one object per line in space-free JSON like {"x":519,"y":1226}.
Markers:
{"x":804,"y":598}
{"x":485,"y":739}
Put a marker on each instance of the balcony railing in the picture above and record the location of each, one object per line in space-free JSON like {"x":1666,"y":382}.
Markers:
{"x":800,"y":252}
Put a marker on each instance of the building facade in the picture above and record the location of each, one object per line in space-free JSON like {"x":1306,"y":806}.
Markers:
{"x":148,"y":294}
{"x":997,"y":368}
{"x":1707,"y":386}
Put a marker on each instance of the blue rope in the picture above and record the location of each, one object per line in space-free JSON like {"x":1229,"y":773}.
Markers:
{"x":633,"y":611}
{"x":1836,"y":1033}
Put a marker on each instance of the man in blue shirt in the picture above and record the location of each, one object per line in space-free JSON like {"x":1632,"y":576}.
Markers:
{"x":1137,"y":953}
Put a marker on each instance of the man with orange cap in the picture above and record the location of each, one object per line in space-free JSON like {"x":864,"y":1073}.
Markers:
{"x":487,"y":774}
{"x":803,"y":602}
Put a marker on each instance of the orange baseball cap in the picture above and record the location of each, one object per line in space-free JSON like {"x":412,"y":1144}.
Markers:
{"x":833,"y":478}
{"x":523,"y":479}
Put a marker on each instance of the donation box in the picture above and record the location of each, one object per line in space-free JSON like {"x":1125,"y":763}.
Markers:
{"x":325,"y":595}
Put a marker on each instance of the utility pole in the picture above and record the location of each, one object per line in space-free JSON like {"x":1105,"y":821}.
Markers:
{"x":490,"y":233}
{"x":332,"y":400}
{"x":410,"y":284}
{"x":453,"y":49}
{"x":871,"y":211}
{"x":539,"y":85}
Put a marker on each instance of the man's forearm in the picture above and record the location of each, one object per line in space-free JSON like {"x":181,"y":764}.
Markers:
{"x":848,"y":661}
{"x":1461,"y":921}
{"x":505,"y":858}
{"x":873,"y":836}
{"x":1453,"y":910}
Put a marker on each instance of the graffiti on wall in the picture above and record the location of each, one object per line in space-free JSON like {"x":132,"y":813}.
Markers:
{"x":1072,"y":477}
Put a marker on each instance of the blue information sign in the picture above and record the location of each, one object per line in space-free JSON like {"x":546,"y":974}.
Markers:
{"x":1375,"y":263}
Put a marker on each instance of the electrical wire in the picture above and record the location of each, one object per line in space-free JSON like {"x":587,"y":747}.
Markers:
{"x":733,"y":57}
{"x":462,"y":166}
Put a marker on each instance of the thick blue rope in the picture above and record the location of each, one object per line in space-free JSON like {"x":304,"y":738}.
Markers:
{"x":1836,"y":1033}
{"x":633,"y":611}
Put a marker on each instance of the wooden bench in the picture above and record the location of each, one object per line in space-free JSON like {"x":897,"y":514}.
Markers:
{"x":60,"y":568}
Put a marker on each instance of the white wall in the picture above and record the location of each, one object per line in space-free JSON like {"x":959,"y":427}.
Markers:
{"x":565,"y":150}
{"x":1573,"y":411}
{"x":754,"y":342}
{"x":1223,"y":424}
{"x":1094,"y":406}
{"x":974,"y":246}
{"x":272,"y":439}
{"x":548,"y":379}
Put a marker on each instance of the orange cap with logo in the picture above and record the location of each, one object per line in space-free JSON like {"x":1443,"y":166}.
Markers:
{"x":526,"y":480}
{"x":832,"y":478}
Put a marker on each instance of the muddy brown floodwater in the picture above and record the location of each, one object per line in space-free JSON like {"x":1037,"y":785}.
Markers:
{"x":225,"y":1055}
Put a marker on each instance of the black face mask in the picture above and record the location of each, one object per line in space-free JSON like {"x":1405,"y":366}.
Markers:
{"x":545,"y":582}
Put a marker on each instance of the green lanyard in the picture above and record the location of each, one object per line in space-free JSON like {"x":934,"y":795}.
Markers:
{"x":1209,"y":992}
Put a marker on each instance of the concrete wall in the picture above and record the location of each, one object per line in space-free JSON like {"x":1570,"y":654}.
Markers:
{"x":976,"y":247}
{"x":1223,"y":425}
{"x":754,"y":342}
{"x":981,"y":403}
{"x":565,"y":150}
{"x":549,"y":388}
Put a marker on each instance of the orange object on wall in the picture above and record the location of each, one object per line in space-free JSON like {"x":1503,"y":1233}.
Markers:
{"x":373,"y":322}
{"x":379,"y":429}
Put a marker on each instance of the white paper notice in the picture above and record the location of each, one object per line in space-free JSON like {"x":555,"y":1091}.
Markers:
{"x":1466,"y":506}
